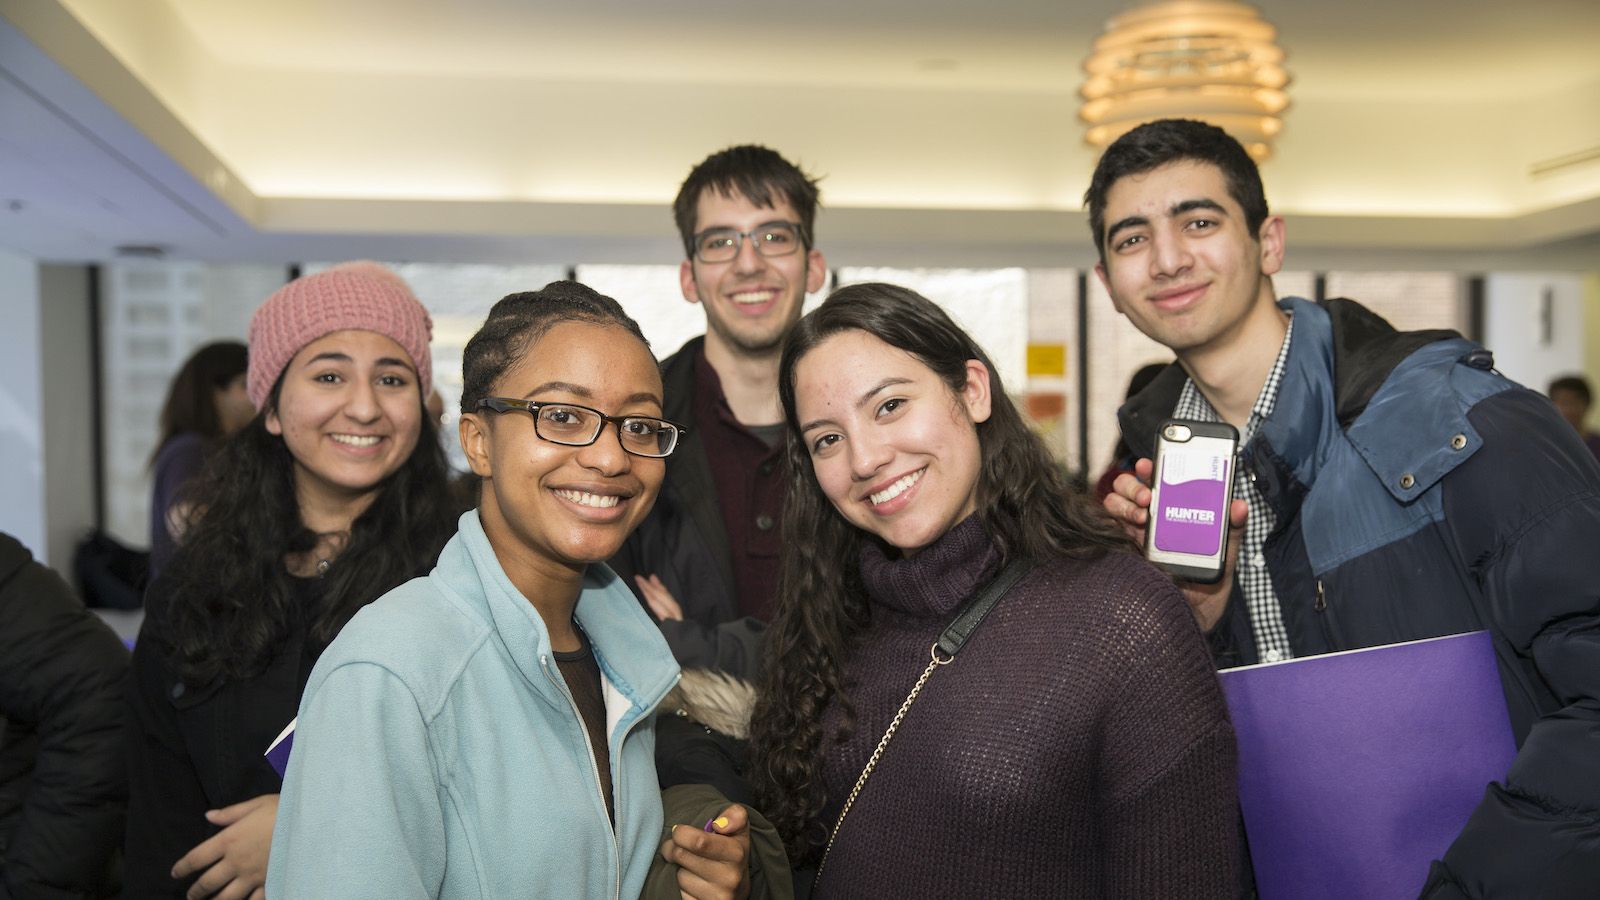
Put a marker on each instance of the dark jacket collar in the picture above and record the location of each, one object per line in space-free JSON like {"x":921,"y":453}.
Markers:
{"x":13,"y":556}
{"x":690,"y":486}
{"x":1366,"y":348}
{"x":677,"y":380}
{"x":1352,"y":347}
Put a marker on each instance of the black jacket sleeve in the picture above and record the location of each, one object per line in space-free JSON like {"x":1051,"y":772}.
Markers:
{"x":166,"y":798}
{"x":1525,"y":511}
{"x":733,"y":647}
{"x":711,"y":635}
{"x":61,"y":673}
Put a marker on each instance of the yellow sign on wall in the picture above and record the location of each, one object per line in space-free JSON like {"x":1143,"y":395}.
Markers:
{"x":1047,"y":360}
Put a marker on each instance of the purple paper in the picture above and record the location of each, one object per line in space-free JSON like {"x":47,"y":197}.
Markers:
{"x":278,"y":754}
{"x":1358,"y":769}
{"x":1190,"y":516}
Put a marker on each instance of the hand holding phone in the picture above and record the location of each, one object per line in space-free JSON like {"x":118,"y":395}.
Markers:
{"x":1191,"y":494}
{"x":1129,"y":504}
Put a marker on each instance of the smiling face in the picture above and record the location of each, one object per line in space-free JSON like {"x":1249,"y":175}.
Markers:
{"x":893,"y":448}
{"x":350,"y":412}
{"x":752,"y":300}
{"x":549,"y":506}
{"x":1180,"y":260}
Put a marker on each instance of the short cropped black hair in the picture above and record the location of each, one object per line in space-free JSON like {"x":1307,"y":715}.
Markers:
{"x":1577,"y":384}
{"x":1155,"y":144}
{"x":754,"y":173}
{"x":517,"y":320}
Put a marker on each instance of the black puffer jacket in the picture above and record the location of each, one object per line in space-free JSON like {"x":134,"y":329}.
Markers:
{"x":685,"y":542}
{"x":63,"y":789}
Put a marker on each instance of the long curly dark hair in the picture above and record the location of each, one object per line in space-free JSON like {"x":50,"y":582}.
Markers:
{"x":230,"y":596}
{"x":1023,"y":500}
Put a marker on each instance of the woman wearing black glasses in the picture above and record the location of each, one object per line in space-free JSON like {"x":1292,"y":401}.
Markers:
{"x":486,"y":731}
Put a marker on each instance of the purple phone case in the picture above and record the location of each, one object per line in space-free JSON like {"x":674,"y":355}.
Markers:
{"x":1191,"y":518}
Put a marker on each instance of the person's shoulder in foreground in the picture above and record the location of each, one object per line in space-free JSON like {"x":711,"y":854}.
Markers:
{"x":63,"y":790}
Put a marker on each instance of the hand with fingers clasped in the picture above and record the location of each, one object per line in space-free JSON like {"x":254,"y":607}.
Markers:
{"x":713,"y":861}
{"x":233,"y":862}
{"x":1129,"y":503}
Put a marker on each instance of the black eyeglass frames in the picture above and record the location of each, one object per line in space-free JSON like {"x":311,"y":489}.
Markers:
{"x":580,"y":426}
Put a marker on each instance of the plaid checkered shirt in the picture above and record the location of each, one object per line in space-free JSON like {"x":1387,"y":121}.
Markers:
{"x":1255,"y":582}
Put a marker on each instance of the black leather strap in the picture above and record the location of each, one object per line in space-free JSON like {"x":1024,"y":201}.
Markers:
{"x":972,"y":615}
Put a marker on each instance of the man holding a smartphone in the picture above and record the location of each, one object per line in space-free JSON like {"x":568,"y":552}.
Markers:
{"x":1391,"y":486}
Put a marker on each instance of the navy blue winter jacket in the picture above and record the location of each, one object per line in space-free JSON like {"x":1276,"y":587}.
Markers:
{"x":1420,"y":493}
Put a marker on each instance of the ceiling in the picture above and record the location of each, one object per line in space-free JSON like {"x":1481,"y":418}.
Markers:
{"x":529,"y":130}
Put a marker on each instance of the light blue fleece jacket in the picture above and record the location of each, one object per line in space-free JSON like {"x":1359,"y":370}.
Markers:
{"x":439,"y":754}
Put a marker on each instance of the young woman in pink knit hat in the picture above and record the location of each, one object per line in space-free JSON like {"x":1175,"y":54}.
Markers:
{"x":333,"y":494}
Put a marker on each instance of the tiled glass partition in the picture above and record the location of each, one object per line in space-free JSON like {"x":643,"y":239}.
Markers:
{"x":153,"y":315}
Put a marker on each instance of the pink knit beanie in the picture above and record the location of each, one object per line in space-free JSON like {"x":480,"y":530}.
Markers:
{"x":361,"y":296}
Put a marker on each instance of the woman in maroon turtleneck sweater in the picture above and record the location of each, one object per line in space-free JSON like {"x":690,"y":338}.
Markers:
{"x":1077,"y":747}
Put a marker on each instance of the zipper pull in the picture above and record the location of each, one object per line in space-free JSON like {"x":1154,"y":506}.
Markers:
{"x":1322,"y":601}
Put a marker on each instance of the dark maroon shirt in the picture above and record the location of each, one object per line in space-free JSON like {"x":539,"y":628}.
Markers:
{"x":750,"y":490}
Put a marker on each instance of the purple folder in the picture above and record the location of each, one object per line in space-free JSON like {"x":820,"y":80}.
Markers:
{"x":1357,"y":769}
{"x":278,"y":753}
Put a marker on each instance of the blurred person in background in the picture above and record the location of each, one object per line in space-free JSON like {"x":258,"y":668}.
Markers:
{"x":1122,"y":457}
{"x":206,"y":402}
{"x":1572,"y":398}
{"x":63,"y":787}
{"x":334,"y":493}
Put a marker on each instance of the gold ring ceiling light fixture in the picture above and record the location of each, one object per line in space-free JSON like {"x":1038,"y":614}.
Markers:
{"x":1211,"y":60}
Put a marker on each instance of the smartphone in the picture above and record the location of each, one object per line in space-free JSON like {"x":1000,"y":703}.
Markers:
{"x":1192,"y":488}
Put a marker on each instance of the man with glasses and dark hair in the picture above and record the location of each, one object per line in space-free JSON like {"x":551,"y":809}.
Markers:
{"x":705,"y":561}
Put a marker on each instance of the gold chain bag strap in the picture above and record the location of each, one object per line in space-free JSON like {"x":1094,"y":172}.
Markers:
{"x":943,"y":652}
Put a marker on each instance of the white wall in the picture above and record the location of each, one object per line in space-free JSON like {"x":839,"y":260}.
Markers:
{"x":21,"y":405}
{"x":66,"y":384}
{"x":1529,"y":347}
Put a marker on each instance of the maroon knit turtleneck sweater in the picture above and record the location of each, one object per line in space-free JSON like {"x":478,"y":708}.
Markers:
{"x":1077,"y":747}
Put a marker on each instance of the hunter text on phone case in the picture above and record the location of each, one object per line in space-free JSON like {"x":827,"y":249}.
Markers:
{"x":1193,"y":486}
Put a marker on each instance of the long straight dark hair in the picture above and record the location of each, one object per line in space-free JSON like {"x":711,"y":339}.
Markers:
{"x":191,"y":405}
{"x":230,"y":598}
{"x":1023,"y":500}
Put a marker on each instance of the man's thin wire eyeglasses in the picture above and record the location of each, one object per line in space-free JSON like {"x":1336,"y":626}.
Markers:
{"x":718,"y":245}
